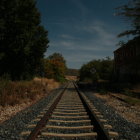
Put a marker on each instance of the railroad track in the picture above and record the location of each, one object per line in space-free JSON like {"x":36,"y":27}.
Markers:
{"x":70,"y":115}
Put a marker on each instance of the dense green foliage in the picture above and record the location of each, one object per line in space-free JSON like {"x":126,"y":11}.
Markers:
{"x":97,"y":69}
{"x":23,"y":40}
{"x":131,"y":11}
{"x":55,"y":67}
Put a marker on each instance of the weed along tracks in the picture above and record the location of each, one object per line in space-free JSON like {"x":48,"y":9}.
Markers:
{"x":70,"y":115}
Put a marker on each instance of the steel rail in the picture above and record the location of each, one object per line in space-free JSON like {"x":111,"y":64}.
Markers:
{"x":45,"y":118}
{"x":99,"y":128}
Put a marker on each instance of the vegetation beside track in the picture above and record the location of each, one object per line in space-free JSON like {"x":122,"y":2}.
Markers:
{"x":126,"y":92}
{"x":98,"y":75}
{"x":55,"y":67}
{"x":95,"y":70}
{"x":16,"y":92}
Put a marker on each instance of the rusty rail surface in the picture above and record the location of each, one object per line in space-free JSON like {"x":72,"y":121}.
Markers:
{"x":45,"y":118}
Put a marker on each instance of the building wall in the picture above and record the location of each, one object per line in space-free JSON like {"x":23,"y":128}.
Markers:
{"x":127,"y":62}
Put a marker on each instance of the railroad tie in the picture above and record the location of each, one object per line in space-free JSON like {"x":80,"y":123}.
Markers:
{"x":70,"y":109}
{"x":113,"y":134}
{"x":66,"y":121}
{"x":69,"y":113}
{"x":70,"y":117}
{"x":93,"y":134}
{"x":67,"y":116}
{"x":70,"y":128}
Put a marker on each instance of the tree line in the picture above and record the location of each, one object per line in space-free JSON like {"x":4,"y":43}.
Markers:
{"x":103,"y":69}
{"x":23,"y":42}
{"x":95,"y":70}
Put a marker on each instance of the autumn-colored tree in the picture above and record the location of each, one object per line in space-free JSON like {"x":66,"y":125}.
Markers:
{"x":55,"y":67}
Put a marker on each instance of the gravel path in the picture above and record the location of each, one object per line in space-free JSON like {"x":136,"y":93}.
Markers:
{"x":11,"y":129}
{"x":126,"y":130}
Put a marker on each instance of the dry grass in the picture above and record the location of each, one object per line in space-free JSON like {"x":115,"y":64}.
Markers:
{"x":48,"y":83}
{"x":74,"y":78}
{"x":129,"y":112}
{"x":12,"y":93}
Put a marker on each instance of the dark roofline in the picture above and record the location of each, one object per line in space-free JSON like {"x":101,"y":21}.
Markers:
{"x":136,"y":39}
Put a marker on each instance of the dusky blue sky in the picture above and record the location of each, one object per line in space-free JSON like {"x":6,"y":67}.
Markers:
{"x":82,"y":30}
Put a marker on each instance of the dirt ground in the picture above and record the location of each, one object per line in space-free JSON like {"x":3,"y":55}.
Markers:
{"x":129,"y":112}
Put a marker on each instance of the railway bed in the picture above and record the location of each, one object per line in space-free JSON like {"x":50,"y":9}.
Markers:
{"x":70,"y":115}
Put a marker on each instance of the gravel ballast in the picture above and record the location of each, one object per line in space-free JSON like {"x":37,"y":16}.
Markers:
{"x":127,"y":130}
{"x":11,"y":129}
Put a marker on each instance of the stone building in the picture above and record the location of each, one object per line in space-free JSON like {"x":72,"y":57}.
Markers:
{"x":127,"y":61}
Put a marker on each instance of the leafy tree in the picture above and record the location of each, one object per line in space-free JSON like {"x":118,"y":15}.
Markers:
{"x":97,"y":69}
{"x":88,"y":73}
{"x":23,"y":40}
{"x":132,"y":12}
{"x":55,"y":67}
{"x":106,"y":68}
